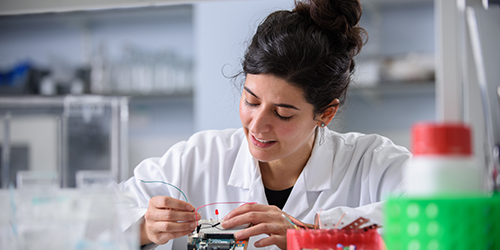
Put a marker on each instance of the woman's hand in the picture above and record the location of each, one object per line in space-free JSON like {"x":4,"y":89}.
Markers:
{"x":167,"y":218}
{"x":264,"y":220}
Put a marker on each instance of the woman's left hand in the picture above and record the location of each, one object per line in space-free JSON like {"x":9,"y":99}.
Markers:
{"x":264,"y":219}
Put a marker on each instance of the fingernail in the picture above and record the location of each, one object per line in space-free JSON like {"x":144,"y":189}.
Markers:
{"x":197,"y":216}
{"x":193,"y":224}
{"x":237,"y":235}
{"x":190,"y":208}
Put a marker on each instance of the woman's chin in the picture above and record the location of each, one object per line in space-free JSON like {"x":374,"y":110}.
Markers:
{"x":262,"y":156}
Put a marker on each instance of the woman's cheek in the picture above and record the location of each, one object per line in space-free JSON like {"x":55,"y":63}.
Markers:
{"x":287,"y":130}
{"x":245,"y":115}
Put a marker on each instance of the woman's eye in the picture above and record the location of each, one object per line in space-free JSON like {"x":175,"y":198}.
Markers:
{"x":284,"y":118}
{"x":250,"y":104}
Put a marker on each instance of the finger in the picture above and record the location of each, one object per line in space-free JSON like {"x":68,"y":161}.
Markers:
{"x":245,"y":208}
{"x":278,"y":240}
{"x":171,"y":215}
{"x":264,"y":228}
{"x":253,"y":217}
{"x":172,"y":227}
{"x":163,"y":238}
{"x":170,"y":203}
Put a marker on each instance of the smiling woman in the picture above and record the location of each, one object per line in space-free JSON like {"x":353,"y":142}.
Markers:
{"x":284,"y":160}
{"x":279,"y":125}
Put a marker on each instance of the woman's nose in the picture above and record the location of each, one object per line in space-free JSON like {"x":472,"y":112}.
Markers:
{"x":261,"y":121}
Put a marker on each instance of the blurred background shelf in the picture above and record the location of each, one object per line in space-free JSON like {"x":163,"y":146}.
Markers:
{"x":83,"y":39}
{"x":395,"y":88}
{"x":135,"y":51}
{"x":19,"y":7}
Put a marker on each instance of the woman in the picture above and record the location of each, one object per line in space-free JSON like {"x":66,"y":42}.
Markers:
{"x":284,"y":160}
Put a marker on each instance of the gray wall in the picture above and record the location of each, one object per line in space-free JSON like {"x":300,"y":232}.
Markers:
{"x":222,"y":31}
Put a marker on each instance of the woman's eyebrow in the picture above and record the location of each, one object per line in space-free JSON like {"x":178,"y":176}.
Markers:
{"x":283,"y":105}
{"x":249,"y":91}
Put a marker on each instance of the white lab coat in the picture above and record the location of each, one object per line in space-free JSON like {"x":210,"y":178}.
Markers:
{"x":346,"y":171}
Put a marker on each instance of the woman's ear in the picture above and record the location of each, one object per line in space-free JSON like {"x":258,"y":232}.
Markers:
{"x":328,"y":114}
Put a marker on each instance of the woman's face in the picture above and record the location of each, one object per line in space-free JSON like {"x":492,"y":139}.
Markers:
{"x":277,"y":120}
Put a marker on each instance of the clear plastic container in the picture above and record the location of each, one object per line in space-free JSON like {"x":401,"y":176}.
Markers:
{"x":69,"y":219}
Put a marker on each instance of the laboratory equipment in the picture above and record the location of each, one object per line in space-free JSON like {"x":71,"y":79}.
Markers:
{"x":446,"y":205}
{"x":484,"y":34}
{"x":359,"y":234}
{"x":443,"y":223}
{"x":443,"y":162}
{"x":93,"y":178}
{"x":69,"y":219}
{"x":37,"y":179}
{"x":64,"y":134}
{"x":210,"y":235}
{"x":359,"y":239}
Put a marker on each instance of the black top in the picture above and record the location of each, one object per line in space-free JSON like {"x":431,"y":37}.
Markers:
{"x":278,"y":198}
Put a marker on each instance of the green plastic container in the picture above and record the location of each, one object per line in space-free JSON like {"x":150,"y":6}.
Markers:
{"x":442,"y":223}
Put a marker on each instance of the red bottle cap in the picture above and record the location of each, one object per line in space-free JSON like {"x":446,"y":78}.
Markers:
{"x":441,"y":139}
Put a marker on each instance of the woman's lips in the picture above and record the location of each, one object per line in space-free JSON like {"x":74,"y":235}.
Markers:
{"x":262,"y":143}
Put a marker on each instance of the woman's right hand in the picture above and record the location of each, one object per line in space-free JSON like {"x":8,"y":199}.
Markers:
{"x":166,"y":219}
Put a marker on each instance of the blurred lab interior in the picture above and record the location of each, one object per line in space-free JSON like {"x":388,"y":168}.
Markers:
{"x":138,"y":79}
{"x":92,"y":87}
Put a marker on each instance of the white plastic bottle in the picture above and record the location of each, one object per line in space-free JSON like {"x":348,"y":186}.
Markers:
{"x":443,"y":163}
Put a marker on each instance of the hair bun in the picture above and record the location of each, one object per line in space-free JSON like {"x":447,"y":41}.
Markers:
{"x":336,"y":16}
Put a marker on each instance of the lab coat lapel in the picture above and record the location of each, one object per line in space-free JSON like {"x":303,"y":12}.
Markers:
{"x":245,"y":174}
{"x":315,"y":177}
{"x":256,"y":192}
{"x":318,"y":170}
{"x":242,"y":172}
{"x":297,"y":202}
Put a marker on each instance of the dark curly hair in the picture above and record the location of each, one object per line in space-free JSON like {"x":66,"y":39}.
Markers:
{"x":311,"y":47}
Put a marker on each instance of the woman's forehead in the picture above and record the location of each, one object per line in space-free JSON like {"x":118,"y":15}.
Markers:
{"x":266,"y":83}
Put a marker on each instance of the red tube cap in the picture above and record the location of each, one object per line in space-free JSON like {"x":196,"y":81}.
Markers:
{"x":441,"y":139}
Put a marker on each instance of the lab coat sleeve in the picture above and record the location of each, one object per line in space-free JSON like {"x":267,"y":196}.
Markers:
{"x":386,"y":170}
{"x":384,"y":162}
{"x":139,"y":190}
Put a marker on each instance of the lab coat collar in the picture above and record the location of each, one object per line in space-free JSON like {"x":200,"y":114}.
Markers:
{"x":297,"y":202}
{"x":246,"y":174}
{"x":317,"y":173}
{"x":316,"y":176}
{"x":244,"y":169}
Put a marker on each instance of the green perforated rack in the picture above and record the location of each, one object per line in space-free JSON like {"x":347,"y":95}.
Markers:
{"x":442,"y":223}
